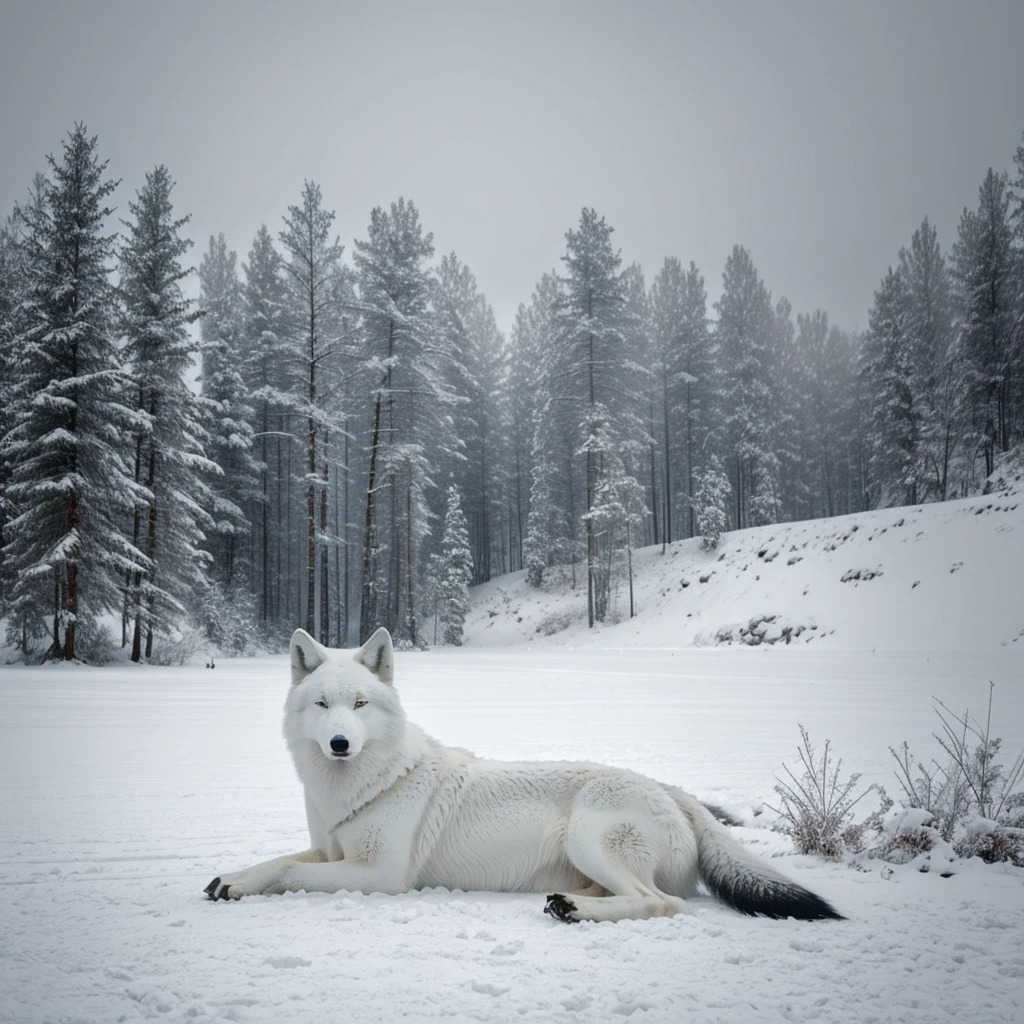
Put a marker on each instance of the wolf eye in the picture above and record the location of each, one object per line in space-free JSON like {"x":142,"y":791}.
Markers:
{"x":360,"y":703}
{"x":321,"y":704}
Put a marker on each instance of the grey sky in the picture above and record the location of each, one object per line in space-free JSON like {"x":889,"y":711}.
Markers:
{"x":816,"y":134}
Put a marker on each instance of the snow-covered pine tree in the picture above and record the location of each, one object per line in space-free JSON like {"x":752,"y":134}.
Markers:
{"x":270,"y":377}
{"x":456,"y":570}
{"x":893,"y":432}
{"x":169,"y":443}
{"x":710,"y":501}
{"x":595,"y":374}
{"x":619,"y":508}
{"x":312,"y":258}
{"x":11,"y":288}
{"x":639,"y":343}
{"x":935,"y":377}
{"x":29,"y":627}
{"x":801,"y":392}
{"x":529,"y":350}
{"x":345,"y":408}
{"x":71,"y":486}
{"x":686,"y":383}
{"x":410,"y":425}
{"x":229,"y":416}
{"x":552,"y":536}
{"x":477,"y":372}
{"x":747,"y":329}
{"x":820,"y":401}
{"x":1017,"y":252}
{"x":985,"y":288}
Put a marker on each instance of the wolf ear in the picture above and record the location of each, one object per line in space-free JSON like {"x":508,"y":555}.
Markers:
{"x":378,"y":655}
{"x":306,"y":654}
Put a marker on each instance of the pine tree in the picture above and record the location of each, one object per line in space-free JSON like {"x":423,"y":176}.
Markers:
{"x":822,"y":399}
{"x":894,"y":420}
{"x":169,"y":461}
{"x":687,"y":383}
{"x":270,"y":376}
{"x":747,"y":328}
{"x":229,"y":415}
{"x":410,"y":429}
{"x":11,"y":288}
{"x":710,"y":500}
{"x":935,"y":379}
{"x":595,"y":374}
{"x":529,"y":353}
{"x":477,"y":367}
{"x":983,"y":266}
{"x":312,"y":258}
{"x":456,"y":570}
{"x":70,"y":483}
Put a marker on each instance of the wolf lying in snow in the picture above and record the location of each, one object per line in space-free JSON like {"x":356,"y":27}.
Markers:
{"x":390,"y":809}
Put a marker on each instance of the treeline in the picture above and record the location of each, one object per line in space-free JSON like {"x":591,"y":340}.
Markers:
{"x":364,"y":441}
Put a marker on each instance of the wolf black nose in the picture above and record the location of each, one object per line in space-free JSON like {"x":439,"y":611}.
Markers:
{"x":339,"y":744}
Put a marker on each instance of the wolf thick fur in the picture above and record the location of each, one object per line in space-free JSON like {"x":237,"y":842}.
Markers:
{"x":390,"y":809}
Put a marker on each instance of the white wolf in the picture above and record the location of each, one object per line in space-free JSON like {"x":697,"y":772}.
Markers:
{"x":390,"y":809}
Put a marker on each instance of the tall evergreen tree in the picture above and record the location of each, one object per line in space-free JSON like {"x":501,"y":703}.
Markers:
{"x":70,"y":483}
{"x":983,"y":268}
{"x":477,"y":362}
{"x":686,"y":384}
{"x":456,"y":570}
{"x":935,"y":375}
{"x":169,"y":442}
{"x":746,"y":334}
{"x":410,"y":429}
{"x":529,"y":351}
{"x":894,"y":432}
{"x":229,"y":414}
{"x":595,"y":375}
{"x":312,"y":258}
{"x":11,"y":288}
{"x":271,"y":379}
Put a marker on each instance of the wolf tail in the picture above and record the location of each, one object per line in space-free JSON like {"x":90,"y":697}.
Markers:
{"x":745,"y":882}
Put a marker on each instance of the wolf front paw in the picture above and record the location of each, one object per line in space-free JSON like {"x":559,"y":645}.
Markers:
{"x":561,"y":908}
{"x":262,"y":880}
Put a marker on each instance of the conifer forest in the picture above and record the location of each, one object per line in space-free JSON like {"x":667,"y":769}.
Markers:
{"x":339,"y":435}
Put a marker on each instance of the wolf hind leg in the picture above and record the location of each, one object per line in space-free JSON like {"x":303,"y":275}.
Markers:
{"x":619,"y":856}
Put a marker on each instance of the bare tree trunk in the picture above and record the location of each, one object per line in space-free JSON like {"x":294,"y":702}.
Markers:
{"x":288,"y":540}
{"x":410,"y":599}
{"x":264,"y":539}
{"x":519,"y":512}
{"x":311,"y":527}
{"x":629,"y":557}
{"x":572,"y":523}
{"x":368,"y":611}
{"x":347,"y":534}
{"x":341,"y":598}
{"x":591,"y":541}
{"x":325,"y":593}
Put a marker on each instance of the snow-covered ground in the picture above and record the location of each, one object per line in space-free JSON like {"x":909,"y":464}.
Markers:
{"x":933,"y":577}
{"x":125,"y":790}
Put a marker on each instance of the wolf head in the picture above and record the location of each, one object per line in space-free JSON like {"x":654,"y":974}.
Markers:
{"x":341,"y":700}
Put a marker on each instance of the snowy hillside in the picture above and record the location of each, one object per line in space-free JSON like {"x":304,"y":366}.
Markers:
{"x":934,"y":577}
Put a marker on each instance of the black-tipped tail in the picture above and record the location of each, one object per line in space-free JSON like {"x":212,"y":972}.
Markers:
{"x":768,"y":897}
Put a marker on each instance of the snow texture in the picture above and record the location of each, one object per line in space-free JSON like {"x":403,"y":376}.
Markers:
{"x":127,"y":789}
{"x":943,"y":577}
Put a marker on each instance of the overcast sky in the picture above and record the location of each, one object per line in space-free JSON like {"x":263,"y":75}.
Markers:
{"x":816,"y":134}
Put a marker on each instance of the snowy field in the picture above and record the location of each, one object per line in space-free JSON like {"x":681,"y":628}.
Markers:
{"x":124,"y":791}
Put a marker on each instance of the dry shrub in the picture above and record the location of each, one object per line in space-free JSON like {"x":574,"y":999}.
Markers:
{"x":816,"y":805}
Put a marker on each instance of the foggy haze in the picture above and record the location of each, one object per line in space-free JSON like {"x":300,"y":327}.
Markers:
{"x":816,"y":135}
